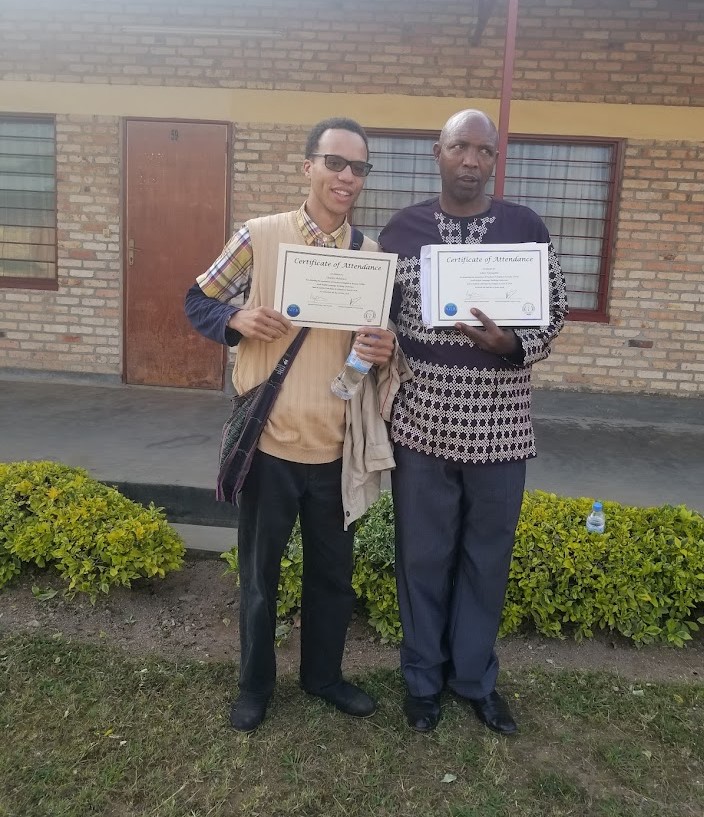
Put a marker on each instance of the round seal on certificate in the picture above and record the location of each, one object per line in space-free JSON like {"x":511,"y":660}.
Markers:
{"x":293,"y":310}
{"x":450,"y":310}
{"x":370,"y":316}
{"x":528,"y":308}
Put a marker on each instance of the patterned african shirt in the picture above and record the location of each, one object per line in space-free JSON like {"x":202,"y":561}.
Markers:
{"x":465,"y":404}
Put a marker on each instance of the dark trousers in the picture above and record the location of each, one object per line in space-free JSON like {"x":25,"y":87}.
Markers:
{"x":274,"y":493}
{"x":455,"y":527}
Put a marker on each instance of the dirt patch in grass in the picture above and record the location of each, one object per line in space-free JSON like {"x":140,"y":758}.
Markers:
{"x":193,"y":614}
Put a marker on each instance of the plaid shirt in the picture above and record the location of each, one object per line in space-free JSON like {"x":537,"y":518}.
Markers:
{"x":230,"y":275}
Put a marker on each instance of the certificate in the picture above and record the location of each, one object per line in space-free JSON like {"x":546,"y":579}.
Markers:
{"x":334,"y":289}
{"x":507,"y":282}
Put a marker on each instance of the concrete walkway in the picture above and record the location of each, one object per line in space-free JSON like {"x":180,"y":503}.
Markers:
{"x":162,"y":444}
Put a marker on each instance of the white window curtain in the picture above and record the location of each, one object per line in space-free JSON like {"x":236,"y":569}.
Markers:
{"x":404,"y":172}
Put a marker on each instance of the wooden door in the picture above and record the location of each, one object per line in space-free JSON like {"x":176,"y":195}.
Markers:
{"x":176,"y":222}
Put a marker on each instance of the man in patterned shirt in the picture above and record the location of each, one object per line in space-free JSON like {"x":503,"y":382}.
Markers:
{"x":462,"y":433}
{"x":297,"y":468}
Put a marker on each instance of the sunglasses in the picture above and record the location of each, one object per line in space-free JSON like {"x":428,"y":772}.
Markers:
{"x":337,"y":164}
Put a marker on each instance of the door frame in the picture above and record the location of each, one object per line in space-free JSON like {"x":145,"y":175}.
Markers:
{"x":230,"y":130}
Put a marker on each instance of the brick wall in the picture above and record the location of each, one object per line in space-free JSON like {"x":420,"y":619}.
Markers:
{"x":574,"y":50}
{"x":618,"y":51}
{"x":76,"y":328}
{"x":267,"y":171}
{"x":654,"y":341}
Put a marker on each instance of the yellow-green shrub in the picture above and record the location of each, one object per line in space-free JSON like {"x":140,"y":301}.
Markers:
{"x":373,"y":578}
{"x":643,"y":577}
{"x":9,"y":565}
{"x":291,"y":578}
{"x":52,"y":514}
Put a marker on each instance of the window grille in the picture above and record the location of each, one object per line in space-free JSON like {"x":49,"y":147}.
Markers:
{"x":27,"y":200}
{"x":571,"y":184}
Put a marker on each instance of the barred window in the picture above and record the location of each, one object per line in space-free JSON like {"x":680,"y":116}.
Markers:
{"x":570,"y":183}
{"x":27,"y":201}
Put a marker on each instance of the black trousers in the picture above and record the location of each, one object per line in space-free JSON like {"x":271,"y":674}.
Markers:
{"x":274,"y":493}
{"x":455,"y":527}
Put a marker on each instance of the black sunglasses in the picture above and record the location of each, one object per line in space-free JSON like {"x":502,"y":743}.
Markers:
{"x":339,"y":163}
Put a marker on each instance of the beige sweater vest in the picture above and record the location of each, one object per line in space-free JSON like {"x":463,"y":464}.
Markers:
{"x":307,"y":423}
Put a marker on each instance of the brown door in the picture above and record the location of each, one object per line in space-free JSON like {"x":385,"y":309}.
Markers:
{"x":176,"y":219}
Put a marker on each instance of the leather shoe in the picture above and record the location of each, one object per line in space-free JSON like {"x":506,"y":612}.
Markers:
{"x":422,"y":713}
{"x":493,"y":711}
{"x":348,"y":698}
{"x":247,"y":711}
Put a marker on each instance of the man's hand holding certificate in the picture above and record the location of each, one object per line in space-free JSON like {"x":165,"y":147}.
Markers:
{"x":334,"y":289}
{"x":506,"y":282}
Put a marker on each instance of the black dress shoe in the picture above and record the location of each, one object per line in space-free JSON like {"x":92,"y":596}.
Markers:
{"x":422,"y":713}
{"x":247,"y":711}
{"x":348,"y":698}
{"x":493,"y":711}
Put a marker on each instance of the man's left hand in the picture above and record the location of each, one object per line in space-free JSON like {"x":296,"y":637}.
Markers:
{"x":375,"y":345}
{"x":489,"y":336}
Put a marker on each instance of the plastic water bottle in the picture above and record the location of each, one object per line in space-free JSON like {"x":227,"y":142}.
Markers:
{"x":347,"y":381}
{"x":596,"y":521}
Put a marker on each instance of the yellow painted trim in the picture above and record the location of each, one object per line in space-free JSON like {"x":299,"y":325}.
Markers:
{"x":661,"y":123}
{"x":657,"y":122}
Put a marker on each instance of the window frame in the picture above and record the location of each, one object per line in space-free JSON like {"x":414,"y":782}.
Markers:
{"x":600,"y":314}
{"x":22,"y":282}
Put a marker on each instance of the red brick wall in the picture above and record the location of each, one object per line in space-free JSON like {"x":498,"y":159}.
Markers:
{"x":76,"y":329}
{"x":636,"y":51}
{"x":267,"y":173}
{"x":655,"y":300}
{"x":654,"y":341}
{"x":625,"y":51}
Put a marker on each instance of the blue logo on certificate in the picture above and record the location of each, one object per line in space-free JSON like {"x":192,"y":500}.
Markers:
{"x":293,"y":311}
{"x":450,"y":309}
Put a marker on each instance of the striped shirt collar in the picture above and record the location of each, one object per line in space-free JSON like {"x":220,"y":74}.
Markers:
{"x":314,"y":236}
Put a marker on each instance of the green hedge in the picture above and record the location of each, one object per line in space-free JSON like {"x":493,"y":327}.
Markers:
{"x":642,"y":578}
{"x":51,"y":514}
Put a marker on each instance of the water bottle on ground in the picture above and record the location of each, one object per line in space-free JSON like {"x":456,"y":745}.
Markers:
{"x":596,"y":521}
{"x":347,"y":381}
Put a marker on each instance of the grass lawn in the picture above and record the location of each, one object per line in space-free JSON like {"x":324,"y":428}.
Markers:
{"x":87,"y":731}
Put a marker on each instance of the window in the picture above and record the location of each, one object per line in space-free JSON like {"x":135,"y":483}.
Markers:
{"x":404,"y":172}
{"x":570,"y":183}
{"x":27,"y":202}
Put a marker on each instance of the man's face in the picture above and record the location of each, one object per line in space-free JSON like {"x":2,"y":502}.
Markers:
{"x":466,"y":156}
{"x":333,"y":193}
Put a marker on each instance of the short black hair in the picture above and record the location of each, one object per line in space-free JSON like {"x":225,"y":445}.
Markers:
{"x":333,"y":123}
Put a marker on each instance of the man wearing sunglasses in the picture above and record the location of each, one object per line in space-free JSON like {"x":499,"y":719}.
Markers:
{"x":297,"y":469}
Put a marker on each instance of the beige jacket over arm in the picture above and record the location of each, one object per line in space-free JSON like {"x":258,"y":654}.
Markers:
{"x":367,"y":450}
